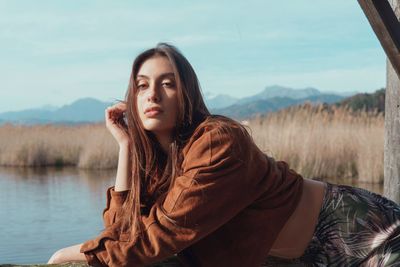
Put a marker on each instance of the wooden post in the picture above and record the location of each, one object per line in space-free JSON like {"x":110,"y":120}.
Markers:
{"x":383,"y":15}
{"x":392,"y":127}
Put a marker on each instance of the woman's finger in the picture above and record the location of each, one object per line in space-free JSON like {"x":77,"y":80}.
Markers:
{"x":116,"y":109}
{"x":119,"y":106}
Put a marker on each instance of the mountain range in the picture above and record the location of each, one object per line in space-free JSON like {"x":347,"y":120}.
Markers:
{"x":271,"y":99}
{"x":84,"y":110}
{"x":87,"y":110}
{"x":275,"y":91}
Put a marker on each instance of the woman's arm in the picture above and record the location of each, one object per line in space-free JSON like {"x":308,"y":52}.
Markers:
{"x":117,"y":127}
{"x":68,"y":254}
{"x":116,"y":195}
{"x":122,"y":180}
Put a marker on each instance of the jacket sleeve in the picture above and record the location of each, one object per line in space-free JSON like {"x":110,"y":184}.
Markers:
{"x":114,"y":201}
{"x":211,"y":191}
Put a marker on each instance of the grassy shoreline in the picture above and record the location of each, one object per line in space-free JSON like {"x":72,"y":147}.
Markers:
{"x":85,"y":146}
{"x":315,"y":141}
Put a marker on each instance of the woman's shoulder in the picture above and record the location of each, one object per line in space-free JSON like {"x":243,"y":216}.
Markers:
{"x":219,"y":123}
{"x":219,"y":142}
{"x":217,"y":132}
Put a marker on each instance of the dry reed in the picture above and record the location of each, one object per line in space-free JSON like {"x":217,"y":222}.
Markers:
{"x":321,"y":142}
{"x":315,"y":141}
{"x":85,"y":146}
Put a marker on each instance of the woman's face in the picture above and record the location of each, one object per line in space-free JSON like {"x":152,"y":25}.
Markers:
{"x":157,"y":100}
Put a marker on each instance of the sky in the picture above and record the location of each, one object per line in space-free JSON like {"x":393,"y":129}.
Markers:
{"x":55,"y":52}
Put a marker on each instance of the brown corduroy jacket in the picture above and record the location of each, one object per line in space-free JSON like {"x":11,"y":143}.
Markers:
{"x":226,"y":209}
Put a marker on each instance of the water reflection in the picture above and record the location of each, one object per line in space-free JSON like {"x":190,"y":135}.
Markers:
{"x":43,"y":209}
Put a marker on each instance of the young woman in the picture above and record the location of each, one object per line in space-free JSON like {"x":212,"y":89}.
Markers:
{"x":195,"y":185}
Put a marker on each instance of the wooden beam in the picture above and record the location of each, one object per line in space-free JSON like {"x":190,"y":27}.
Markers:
{"x":386,"y":27}
{"x":392,"y":128}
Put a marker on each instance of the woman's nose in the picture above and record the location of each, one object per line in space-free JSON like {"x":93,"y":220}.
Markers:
{"x":154,"y":94}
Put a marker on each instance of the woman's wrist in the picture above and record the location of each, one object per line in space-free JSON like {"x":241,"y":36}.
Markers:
{"x":124,"y":145}
{"x":122,"y":181}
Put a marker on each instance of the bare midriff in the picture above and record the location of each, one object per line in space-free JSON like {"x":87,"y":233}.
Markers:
{"x":299,"y":229}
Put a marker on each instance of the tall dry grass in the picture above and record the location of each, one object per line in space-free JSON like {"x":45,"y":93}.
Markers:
{"x":85,"y":146}
{"x":324,"y":142}
{"x":315,"y":141}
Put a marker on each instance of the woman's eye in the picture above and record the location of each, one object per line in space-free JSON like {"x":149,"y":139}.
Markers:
{"x":167,"y":84}
{"x":141,"y":86}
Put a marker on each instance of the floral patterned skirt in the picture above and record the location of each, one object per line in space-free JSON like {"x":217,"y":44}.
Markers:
{"x":355,"y":228}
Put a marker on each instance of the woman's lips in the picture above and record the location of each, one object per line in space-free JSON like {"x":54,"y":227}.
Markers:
{"x":152,"y":112}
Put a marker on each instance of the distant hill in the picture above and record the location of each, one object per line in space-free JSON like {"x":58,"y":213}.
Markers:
{"x":249,"y":106}
{"x":220,"y":101}
{"x":85,"y":109}
{"x":81,"y":111}
{"x":366,"y":101}
{"x":277,"y":91}
{"x":249,"y":109}
{"x":269,"y":92}
{"x":370,"y":102}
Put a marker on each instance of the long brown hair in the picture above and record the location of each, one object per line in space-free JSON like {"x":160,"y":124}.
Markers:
{"x":153,"y":170}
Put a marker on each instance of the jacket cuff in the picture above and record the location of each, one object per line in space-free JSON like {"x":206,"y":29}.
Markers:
{"x":116,"y":198}
{"x":113,"y":205}
{"x":88,"y":249}
{"x":92,"y":260}
{"x":94,"y":249}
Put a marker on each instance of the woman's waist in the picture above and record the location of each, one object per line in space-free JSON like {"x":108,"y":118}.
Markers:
{"x":299,"y":228}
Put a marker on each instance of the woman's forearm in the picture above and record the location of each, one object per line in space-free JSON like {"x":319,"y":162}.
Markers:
{"x":123,"y":179}
{"x":69,"y":254}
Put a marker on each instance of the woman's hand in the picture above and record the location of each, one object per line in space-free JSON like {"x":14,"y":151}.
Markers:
{"x":68,"y":254}
{"x":115,"y":123}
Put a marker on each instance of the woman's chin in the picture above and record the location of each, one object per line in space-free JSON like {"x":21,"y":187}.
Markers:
{"x":156,"y":127}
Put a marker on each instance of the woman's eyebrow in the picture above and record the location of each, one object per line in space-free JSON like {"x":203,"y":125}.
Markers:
{"x":161,"y":76}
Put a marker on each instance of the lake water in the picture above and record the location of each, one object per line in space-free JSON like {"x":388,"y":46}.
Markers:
{"x":43,"y":210}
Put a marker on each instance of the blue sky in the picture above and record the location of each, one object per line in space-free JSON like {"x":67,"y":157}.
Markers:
{"x":54,"y":52}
